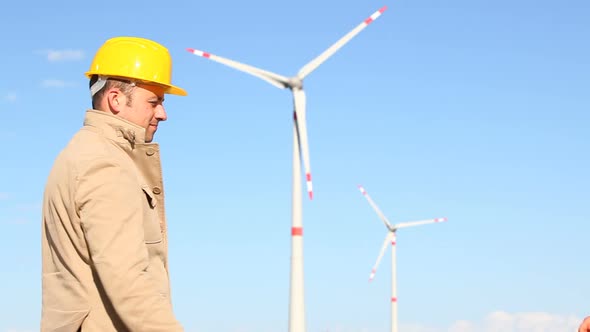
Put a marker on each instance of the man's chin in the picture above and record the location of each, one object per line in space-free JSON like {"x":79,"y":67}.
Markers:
{"x":149,"y":133}
{"x":149,"y":137}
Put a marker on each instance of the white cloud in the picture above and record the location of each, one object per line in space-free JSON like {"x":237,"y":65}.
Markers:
{"x":53,"y":83}
{"x":16,"y":221}
{"x":29,"y":207}
{"x":418,"y":328}
{"x":9,"y":97}
{"x":462,"y":326}
{"x":530,"y":322}
{"x":501,"y":321}
{"x":64,"y":55}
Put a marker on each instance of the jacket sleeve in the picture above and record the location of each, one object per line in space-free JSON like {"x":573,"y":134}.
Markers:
{"x":110,"y":203}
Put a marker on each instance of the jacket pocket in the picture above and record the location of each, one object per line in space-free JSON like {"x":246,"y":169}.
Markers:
{"x":151,"y":221}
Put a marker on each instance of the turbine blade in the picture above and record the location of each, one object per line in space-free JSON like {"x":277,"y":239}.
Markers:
{"x":301,"y":122}
{"x":272,"y":78}
{"x":376,"y":208}
{"x":389,"y":238}
{"x":313,"y":64}
{"x":420,"y":222}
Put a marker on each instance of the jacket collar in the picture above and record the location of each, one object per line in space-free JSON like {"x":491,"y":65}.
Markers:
{"x":115,"y":128}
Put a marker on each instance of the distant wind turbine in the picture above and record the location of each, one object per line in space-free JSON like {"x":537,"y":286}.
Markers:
{"x":391,"y":238}
{"x":300,"y":151}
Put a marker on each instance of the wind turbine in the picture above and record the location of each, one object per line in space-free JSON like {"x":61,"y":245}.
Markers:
{"x":300,"y":151}
{"x":391,"y":238}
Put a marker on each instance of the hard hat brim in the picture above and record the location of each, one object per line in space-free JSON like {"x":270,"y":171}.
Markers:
{"x":174,"y":90}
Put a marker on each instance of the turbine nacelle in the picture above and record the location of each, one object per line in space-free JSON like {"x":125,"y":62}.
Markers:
{"x":295,"y":83}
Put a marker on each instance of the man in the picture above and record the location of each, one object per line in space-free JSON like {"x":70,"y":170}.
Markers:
{"x":585,"y":326}
{"x":104,"y":244}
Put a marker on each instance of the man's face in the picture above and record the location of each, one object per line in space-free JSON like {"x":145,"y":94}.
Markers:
{"x":146,"y":108}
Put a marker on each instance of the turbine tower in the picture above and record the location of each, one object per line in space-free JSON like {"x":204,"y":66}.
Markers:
{"x":391,"y":238}
{"x":300,"y":153}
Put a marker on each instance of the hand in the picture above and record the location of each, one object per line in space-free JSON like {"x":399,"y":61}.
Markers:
{"x":585,"y":326}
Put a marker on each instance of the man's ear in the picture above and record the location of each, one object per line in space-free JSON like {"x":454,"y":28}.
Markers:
{"x":116,"y":100}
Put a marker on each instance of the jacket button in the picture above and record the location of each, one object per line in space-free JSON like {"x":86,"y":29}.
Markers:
{"x":150,"y":152}
{"x":157,"y":190}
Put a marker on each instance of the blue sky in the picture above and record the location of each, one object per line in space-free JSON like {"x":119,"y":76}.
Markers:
{"x":473,"y":110}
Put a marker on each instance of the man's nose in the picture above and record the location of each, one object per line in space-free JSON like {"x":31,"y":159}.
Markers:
{"x":161,"y":113}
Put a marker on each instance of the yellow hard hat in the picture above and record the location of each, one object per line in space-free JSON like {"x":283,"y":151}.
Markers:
{"x":137,"y":59}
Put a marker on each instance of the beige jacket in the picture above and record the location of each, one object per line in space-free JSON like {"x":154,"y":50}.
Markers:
{"x":104,"y":243}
